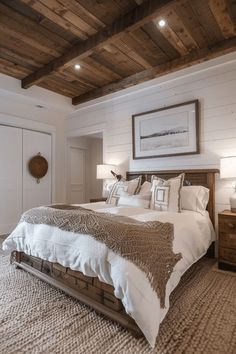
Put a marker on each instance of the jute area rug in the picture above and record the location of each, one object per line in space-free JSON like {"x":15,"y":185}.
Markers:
{"x":36,"y":318}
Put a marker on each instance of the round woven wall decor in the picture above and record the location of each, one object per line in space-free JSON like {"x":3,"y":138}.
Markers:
{"x":38,"y":166}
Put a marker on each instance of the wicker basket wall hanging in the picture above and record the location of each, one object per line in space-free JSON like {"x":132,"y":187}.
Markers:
{"x":38,"y":167}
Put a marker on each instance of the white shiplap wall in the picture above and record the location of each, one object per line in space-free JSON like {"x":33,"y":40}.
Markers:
{"x":212,"y":83}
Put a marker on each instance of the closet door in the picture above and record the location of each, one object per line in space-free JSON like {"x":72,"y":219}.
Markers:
{"x":10,"y":178}
{"x":36,"y":194}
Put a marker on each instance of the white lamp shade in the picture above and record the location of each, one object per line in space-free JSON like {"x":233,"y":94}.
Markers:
{"x":228,"y":167}
{"x":104,"y":171}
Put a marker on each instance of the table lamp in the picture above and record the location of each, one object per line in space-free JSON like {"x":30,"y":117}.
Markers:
{"x":104,"y":173}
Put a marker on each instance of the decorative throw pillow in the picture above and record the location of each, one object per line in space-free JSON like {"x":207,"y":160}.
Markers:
{"x":166,"y":193}
{"x":136,"y":201}
{"x":123,"y":188}
{"x":145,"y":188}
{"x":194,"y":198}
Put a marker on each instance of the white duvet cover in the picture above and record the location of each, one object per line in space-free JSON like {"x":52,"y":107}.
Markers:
{"x":193,"y":233}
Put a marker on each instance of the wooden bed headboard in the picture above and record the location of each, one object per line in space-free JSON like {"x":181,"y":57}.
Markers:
{"x":204,"y":178}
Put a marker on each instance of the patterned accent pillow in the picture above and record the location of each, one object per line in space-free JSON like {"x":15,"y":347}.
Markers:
{"x":123,"y":188}
{"x":161,"y":196}
{"x":166,"y":194}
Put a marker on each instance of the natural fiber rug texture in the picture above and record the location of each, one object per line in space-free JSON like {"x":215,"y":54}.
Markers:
{"x":36,"y":318}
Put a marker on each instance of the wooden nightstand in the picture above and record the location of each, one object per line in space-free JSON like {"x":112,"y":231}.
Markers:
{"x":95,"y":200}
{"x":227,"y":240}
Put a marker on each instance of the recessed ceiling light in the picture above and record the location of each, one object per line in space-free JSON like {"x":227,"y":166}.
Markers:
{"x":77,"y":66}
{"x":162,"y":23}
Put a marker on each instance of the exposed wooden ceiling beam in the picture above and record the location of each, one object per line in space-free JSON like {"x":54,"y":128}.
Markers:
{"x":127,"y":23}
{"x":193,"y":58}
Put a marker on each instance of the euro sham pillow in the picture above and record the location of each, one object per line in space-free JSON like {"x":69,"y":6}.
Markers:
{"x":166,"y":193}
{"x":146,"y":188}
{"x":136,"y":201}
{"x":124,"y":188}
{"x":194,"y":198}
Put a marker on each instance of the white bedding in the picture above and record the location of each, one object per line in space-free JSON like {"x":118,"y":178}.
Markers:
{"x":193,"y":233}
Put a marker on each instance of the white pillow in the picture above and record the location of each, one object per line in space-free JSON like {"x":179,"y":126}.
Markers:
{"x":166,"y":194}
{"x":145,"y":188}
{"x":137,"y":201}
{"x":123,"y":187}
{"x":194,"y":198}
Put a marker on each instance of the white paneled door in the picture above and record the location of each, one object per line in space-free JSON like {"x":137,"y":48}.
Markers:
{"x":10,"y":178}
{"x":36,"y":194}
{"x":76,"y":175}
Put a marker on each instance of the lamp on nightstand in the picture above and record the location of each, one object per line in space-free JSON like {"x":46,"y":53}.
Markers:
{"x":104,"y":173}
{"x":228,"y":170}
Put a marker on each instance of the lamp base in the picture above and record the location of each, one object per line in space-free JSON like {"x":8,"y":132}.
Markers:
{"x":233,"y":202}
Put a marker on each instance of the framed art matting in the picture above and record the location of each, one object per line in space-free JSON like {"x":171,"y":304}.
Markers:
{"x":167,"y":131}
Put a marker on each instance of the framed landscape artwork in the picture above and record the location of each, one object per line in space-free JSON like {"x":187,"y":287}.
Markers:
{"x":167,"y":131}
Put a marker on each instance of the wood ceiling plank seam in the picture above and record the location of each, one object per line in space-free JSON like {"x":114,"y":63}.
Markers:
{"x":19,"y":30}
{"x":74,"y":80}
{"x":139,"y":48}
{"x":190,"y":20}
{"x":68,"y":15}
{"x":106,"y":10}
{"x":16,"y":45}
{"x":61,"y":32}
{"x":86,"y":81}
{"x":27,"y":39}
{"x":129,"y":22}
{"x":153,"y":51}
{"x":89,"y":76}
{"x":44,"y":23}
{"x":160,"y":40}
{"x":95,"y":70}
{"x":17,"y":59}
{"x":78,"y":9}
{"x":205,"y":17}
{"x":69,"y":85}
{"x":221,"y":13}
{"x":124,"y":48}
{"x":180,"y":29}
{"x":99,"y":57}
{"x":56,"y":82}
{"x":13,"y":67}
{"x":96,"y":10}
{"x":122,"y":59}
{"x":33,"y":25}
{"x":106,"y":72}
{"x":196,"y":57}
{"x":172,"y":38}
{"x":11,"y":72}
{"x":45,"y":11}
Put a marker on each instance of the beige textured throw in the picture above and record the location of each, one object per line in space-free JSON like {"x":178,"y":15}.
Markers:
{"x":146,"y":244}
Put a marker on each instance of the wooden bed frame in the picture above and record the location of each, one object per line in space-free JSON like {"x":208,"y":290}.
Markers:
{"x":91,"y":291}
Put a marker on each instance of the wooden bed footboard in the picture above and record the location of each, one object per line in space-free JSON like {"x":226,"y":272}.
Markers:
{"x":89,"y":290}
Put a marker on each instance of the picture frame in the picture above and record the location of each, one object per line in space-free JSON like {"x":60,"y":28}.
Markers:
{"x":166,"y":131}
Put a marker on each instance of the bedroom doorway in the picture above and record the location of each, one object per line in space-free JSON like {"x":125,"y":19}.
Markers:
{"x":84,"y":153}
{"x":76,"y":174}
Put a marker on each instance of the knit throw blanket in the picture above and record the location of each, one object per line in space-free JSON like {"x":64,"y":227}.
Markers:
{"x":146,"y":244}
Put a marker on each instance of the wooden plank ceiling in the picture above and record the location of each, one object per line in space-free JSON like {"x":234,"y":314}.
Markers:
{"x":117,"y":43}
